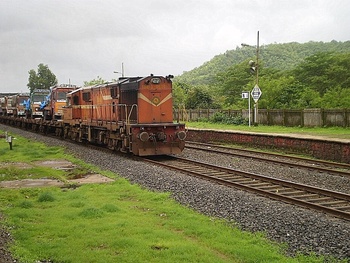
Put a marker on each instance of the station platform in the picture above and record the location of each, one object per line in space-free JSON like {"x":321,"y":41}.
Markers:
{"x":320,"y":147}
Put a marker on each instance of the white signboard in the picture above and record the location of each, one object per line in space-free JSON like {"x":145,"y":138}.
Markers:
{"x":245,"y":95}
{"x":256,"y":93}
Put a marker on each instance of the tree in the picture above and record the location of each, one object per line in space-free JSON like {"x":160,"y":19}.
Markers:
{"x":336,"y":98}
{"x":179,"y":94}
{"x":93,"y":82}
{"x":233,"y":81}
{"x":323,"y":71}
{"x":43,"y":79}
{"x":199,"y":97}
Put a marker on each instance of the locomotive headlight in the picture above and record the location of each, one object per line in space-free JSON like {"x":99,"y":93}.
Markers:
{"x":144,"y":136}
{"x":181,"y":135}
{"x":155,"y":80}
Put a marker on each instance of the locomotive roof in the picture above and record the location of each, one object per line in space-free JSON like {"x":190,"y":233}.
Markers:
{"x":124,"y":82}
{"x":79,"y":89}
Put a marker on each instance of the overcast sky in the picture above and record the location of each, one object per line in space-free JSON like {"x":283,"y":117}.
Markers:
{"x":82,"y":39}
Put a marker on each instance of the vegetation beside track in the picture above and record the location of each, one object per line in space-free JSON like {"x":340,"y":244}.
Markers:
{"x":116,"y":222}
{"x":330,"y":132}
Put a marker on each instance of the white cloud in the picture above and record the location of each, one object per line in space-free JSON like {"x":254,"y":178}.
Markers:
{"x":82,"y":39}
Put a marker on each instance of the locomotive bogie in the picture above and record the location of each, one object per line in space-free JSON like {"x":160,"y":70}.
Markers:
{"x":157,"y":140}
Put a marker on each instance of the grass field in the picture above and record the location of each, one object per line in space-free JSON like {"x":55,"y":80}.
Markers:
{"x":115,"y":222}
{"x":331,"y":132}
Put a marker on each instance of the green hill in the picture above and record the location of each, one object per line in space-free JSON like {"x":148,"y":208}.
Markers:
{"x":280,"y":56}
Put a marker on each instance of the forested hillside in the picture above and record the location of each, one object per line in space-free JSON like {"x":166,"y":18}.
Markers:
{"x":291,"y":75}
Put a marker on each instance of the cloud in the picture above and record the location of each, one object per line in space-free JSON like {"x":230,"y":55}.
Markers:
{"x":82,"y":39}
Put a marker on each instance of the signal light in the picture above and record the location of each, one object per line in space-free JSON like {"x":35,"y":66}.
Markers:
{"x":252,"y":66}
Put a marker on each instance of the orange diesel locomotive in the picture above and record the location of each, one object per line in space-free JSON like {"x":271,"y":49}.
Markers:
{"x":131,"y":115}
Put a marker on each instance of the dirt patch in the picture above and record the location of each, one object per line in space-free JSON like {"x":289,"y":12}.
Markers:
{"x":88,"y":179}
{"x":16,"y":164}
{"x":30,"y":183}
{"x":55,"y":164}
{"x":92,"y":179}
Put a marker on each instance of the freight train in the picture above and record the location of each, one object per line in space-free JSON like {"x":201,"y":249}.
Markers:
{"x":133,"y":114}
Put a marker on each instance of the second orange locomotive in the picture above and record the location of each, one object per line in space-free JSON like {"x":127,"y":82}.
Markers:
{"x":131,"y":115}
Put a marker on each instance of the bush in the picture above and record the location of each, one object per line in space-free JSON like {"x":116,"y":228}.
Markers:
{"x":46,"y":197}
{"x":91,"y":212}
{"x":224,"y":118}
{"x":202,"y":119}
{"x":26,"y":204}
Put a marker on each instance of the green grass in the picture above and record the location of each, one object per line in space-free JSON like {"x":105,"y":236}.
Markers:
{"x":22,"y":153}
{"x":29,"y":152}
{"x":119,"y":222}
{"x":330,"y":132}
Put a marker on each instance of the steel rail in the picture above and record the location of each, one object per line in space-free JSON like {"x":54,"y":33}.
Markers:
{"x":334,"y":203}
{"x":313,"y":164}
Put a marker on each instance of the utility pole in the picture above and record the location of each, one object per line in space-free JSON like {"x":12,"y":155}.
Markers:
{"x":122,"y":70}
{"x":254,"y":68}
{"x":257,"y":78}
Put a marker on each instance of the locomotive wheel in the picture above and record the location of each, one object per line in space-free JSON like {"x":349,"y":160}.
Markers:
{"x":111,"y":145}
{"x":66,"y":132}
{"x":114,"y":144}
{"x":58,"y":132}
{"x":118,"y":145}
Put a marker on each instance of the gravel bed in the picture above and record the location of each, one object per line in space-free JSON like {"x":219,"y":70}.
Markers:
{"x":289,"y":173}
{"x":303,"y":230}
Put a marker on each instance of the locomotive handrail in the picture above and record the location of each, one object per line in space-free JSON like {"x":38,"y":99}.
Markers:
{"x":128,"y":116}
{"x":120,"y":106}
{"x":132,"y":107}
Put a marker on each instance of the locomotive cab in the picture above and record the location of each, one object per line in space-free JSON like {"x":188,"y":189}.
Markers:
{"x":149,"y":116}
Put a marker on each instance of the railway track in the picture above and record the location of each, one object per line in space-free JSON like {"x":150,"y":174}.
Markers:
{"x":334,"y":203}
{"x":340,"y":169}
